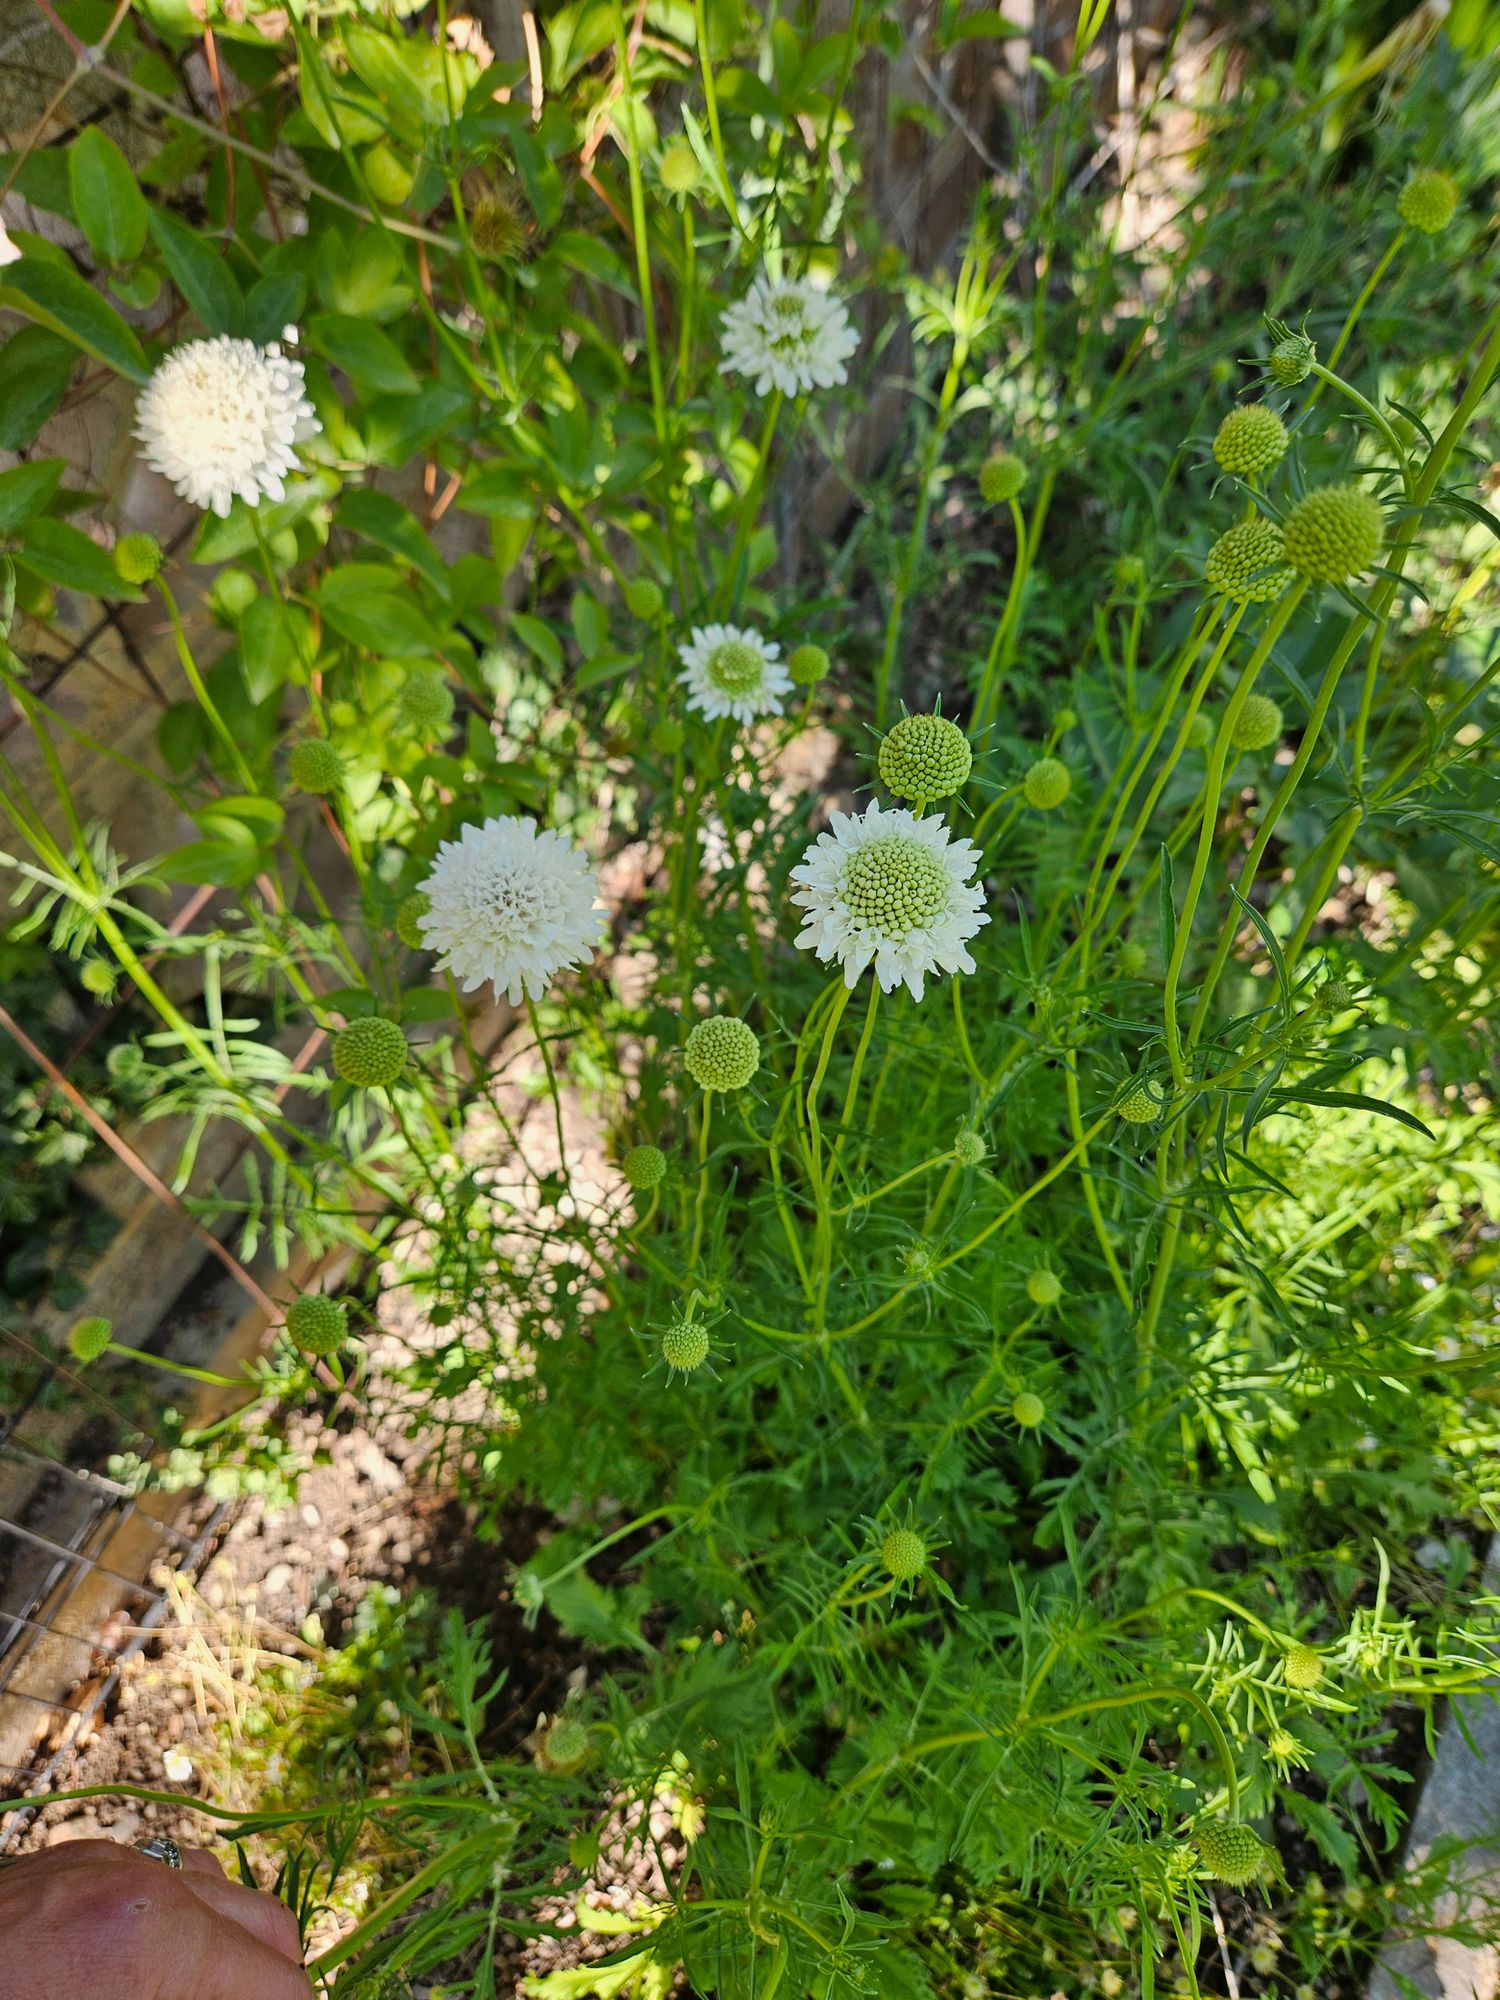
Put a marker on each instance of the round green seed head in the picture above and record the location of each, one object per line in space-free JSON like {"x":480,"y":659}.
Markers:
{"x":1428,"y":201}
{"x":903,"y":1554}
{"x":408,"y":928}
{"x":317,"y":1324}
{"x":1258,"y":724}
{"x":924,"y":757}
{"x":1302,"y":1668}
{"x":1047,"y":783}
{"x":1028,"y":1410}
{"x":1001,"y":477}
{"x":1291,"y":360}
{"x":138,"y":558}
{"x":1334,"y":995}
{"x":315,"y":766}
{"x":566,"y":1745}
{"x":644,"y":1167}
{"x":667,"y":736}
{"x":1231,"y":1853}
{"x":722,"y":1053}
{"x":807,"y":665}
{"x":1067,"y":718}
{"x":684,"y":1345}
{"x":88,"y":1338}
{"x":1250,"y":440}
{"x":678,"y":168}
{"x":426,"y":706}
{"x":370,"y":1052}
{"x":1132,"y":959}
{"x":1142,"y":1102}
{"x":1333,"y":533}
{"x":969,"y":1148}
{"x":1043,"y":1287}
{"x":97,"y":976}
{"x":1247,"y":563}
{"x":643,"y":598}
{"x":1200,"y":732}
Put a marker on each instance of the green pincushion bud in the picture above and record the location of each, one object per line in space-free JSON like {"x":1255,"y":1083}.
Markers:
{"x":807,"y":665}
{"x":1248,"y":564}
{"x":678,"y":168}
{"x":370,"y":1052}
{"x":408,"y":925}
{"x":1200,"y":732}
{"x":643,"y":598}
{"x":426,"y":706}
{"x":1258,"y":724}
{"x":903,"y":1554}
{"x":1428,"y":201}
{"x":1291,"y":359}
{"x":1047,"y":783}
{"x":644,"y":1167}
{"x":317,"y":1324}
{"x":1001,"y":477}
{"x":1334,"y":995}
{"x":924,"y":757}
{"x":1043,"y":1287}
{"x":1132,"y":959}
{"x":565,"y":1747}
{"x":1301,"y":1668}
{"x":684,"y":1345}
{"x":138,"y":558}
{"x":315,"y":766}
{"x":722,"y":1053}
{"x":969,"y":1148}
{"x":97,"y":976}
{"x":1028,"y":1410}
{"x":1333,"y":533}
{"x":667,"y":736}
{"x":1142,"y":1102}
{"x":1231,"y":1852}
{"x":1067,"y":718}
{"x":1250,"y":440}
{"x":88,"y":1338}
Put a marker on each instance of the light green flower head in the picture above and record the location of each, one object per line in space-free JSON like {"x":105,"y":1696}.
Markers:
{"x":1250,"y":440}
{"x":722,"y":1053}
{"x":924,"y":757}
{"x":1428,"y":201}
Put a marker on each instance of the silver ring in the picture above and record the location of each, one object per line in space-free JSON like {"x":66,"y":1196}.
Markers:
{"x":161,"y":1848}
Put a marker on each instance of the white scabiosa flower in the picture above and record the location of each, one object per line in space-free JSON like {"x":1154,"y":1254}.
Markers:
{"x":892,"y":890}
{"x":223,"y":417}
{"x":511,"y":905}
{"x":729,"y":670}
{"x":786,"y":334}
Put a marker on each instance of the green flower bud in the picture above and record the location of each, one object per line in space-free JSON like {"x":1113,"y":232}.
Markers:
{"x":807,"y":665}
{"x":97,"y":976}
{"x":1428,"y":201}
{"x":233,"y":593}
{"x":644,"y":1167}
{"x":643,"y":598}
{"x":1334,"y":995}
{"x":1067,"y":718}
{"x":425,"y":706}
{"x":408,"y":928}
{"x":1291,"y":360}
{"x":722,"y":1053}
{"x":1334,"y":533}
{"x":1043,"y":1287}
{"x":1200,"y":732}
{"x":317,"y":1324}
{"x":924,"y":757}
{"x":1132,"y":959}
{"x":678,"y":168}
{"x":1247,"y":563}
{"x":88,"y":1338}
{"x":1142,"y":1102}
{"x":370,"y":1052}
{"x":565,"y":1747}
{"x":667,"y":736}
{"x":1047,"y":783}
{"x":1301,"y":1668}
{"x":1250,"y":440}
{"x":315,"y":766}
{"x":1258,"y":724}
{"x":1028,"y":1410}
{"x":1231,"y":1852}
{"x":138,"y":558}
{"x":903,"y":1554}
{"x":969,"y":1148}
{"x":1001,"y":477}
{"x":684,"y":1345}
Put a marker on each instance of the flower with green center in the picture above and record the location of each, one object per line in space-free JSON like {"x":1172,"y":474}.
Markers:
{"x":409,"y":919}
{"x":88,"y":1338}
{"x":1247,"y":563}
{"x":315,"y":766}
{"x":317,"y":1324}
{"x":903,"y":1554}
{"x":722,"y":1053}
{"x":1250,"y":441}
{"x":1291,"y":359}
{"x":807,"y":665}
{"x":1301,"y":1668}
{"x":1047,"y":783}
{"x":138,"y":558}
{"x":1043,"y":1287}
{"x":370,"y":1052}
{"x":678,"y":168}
{"x":1001,"y":477}
{"x":426,"y":706}
{"x":643,"y":598}
{"x":1028,"y":1410}
{"x":512,"y":905}
{"x":924,"y":757}
{"x":1333,"y":533}
{"x":969,"y":1149}
{"x":644,"y":1167}
{"x":786,"y":334}
{"x":890,"y":890}
{"x":729,"y":671}
{"x":1232,"y":1852}
{"x":1283,"y":1748}
{"x":1428,"y":201}
{"x":1258,"y":724}
{"x":1142,"y":1101}
{"x":684,"y":1346}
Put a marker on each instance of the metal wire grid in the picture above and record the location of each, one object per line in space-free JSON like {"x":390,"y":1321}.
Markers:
{"x":59,"y":1523}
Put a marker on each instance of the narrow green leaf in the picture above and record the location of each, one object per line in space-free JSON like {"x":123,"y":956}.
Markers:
{"x":1273,"y":947}
{"x":1168,"y":925}
{"x":66,"y":556}
{"x":110,"y":207}
{"x":539,"y":639}
{"x":207,"y":284}
{"x":1353,"y":1100}
{"x":55,"y":296}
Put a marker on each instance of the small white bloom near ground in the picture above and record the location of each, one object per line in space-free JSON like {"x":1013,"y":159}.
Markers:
{"x":512,"y":905}
{"x":222,"y":419}
{"x":786,"y":334}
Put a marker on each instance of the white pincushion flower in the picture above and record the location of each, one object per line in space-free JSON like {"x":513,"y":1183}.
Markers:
{"x":223,"y":417}
{"x":892,"y":890}
{"x":729,"y":670}
{"x":511,"y":905}
{"x":786,"y":334}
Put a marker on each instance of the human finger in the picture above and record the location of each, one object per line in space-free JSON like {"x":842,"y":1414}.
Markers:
{"x":266,"y":1919}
